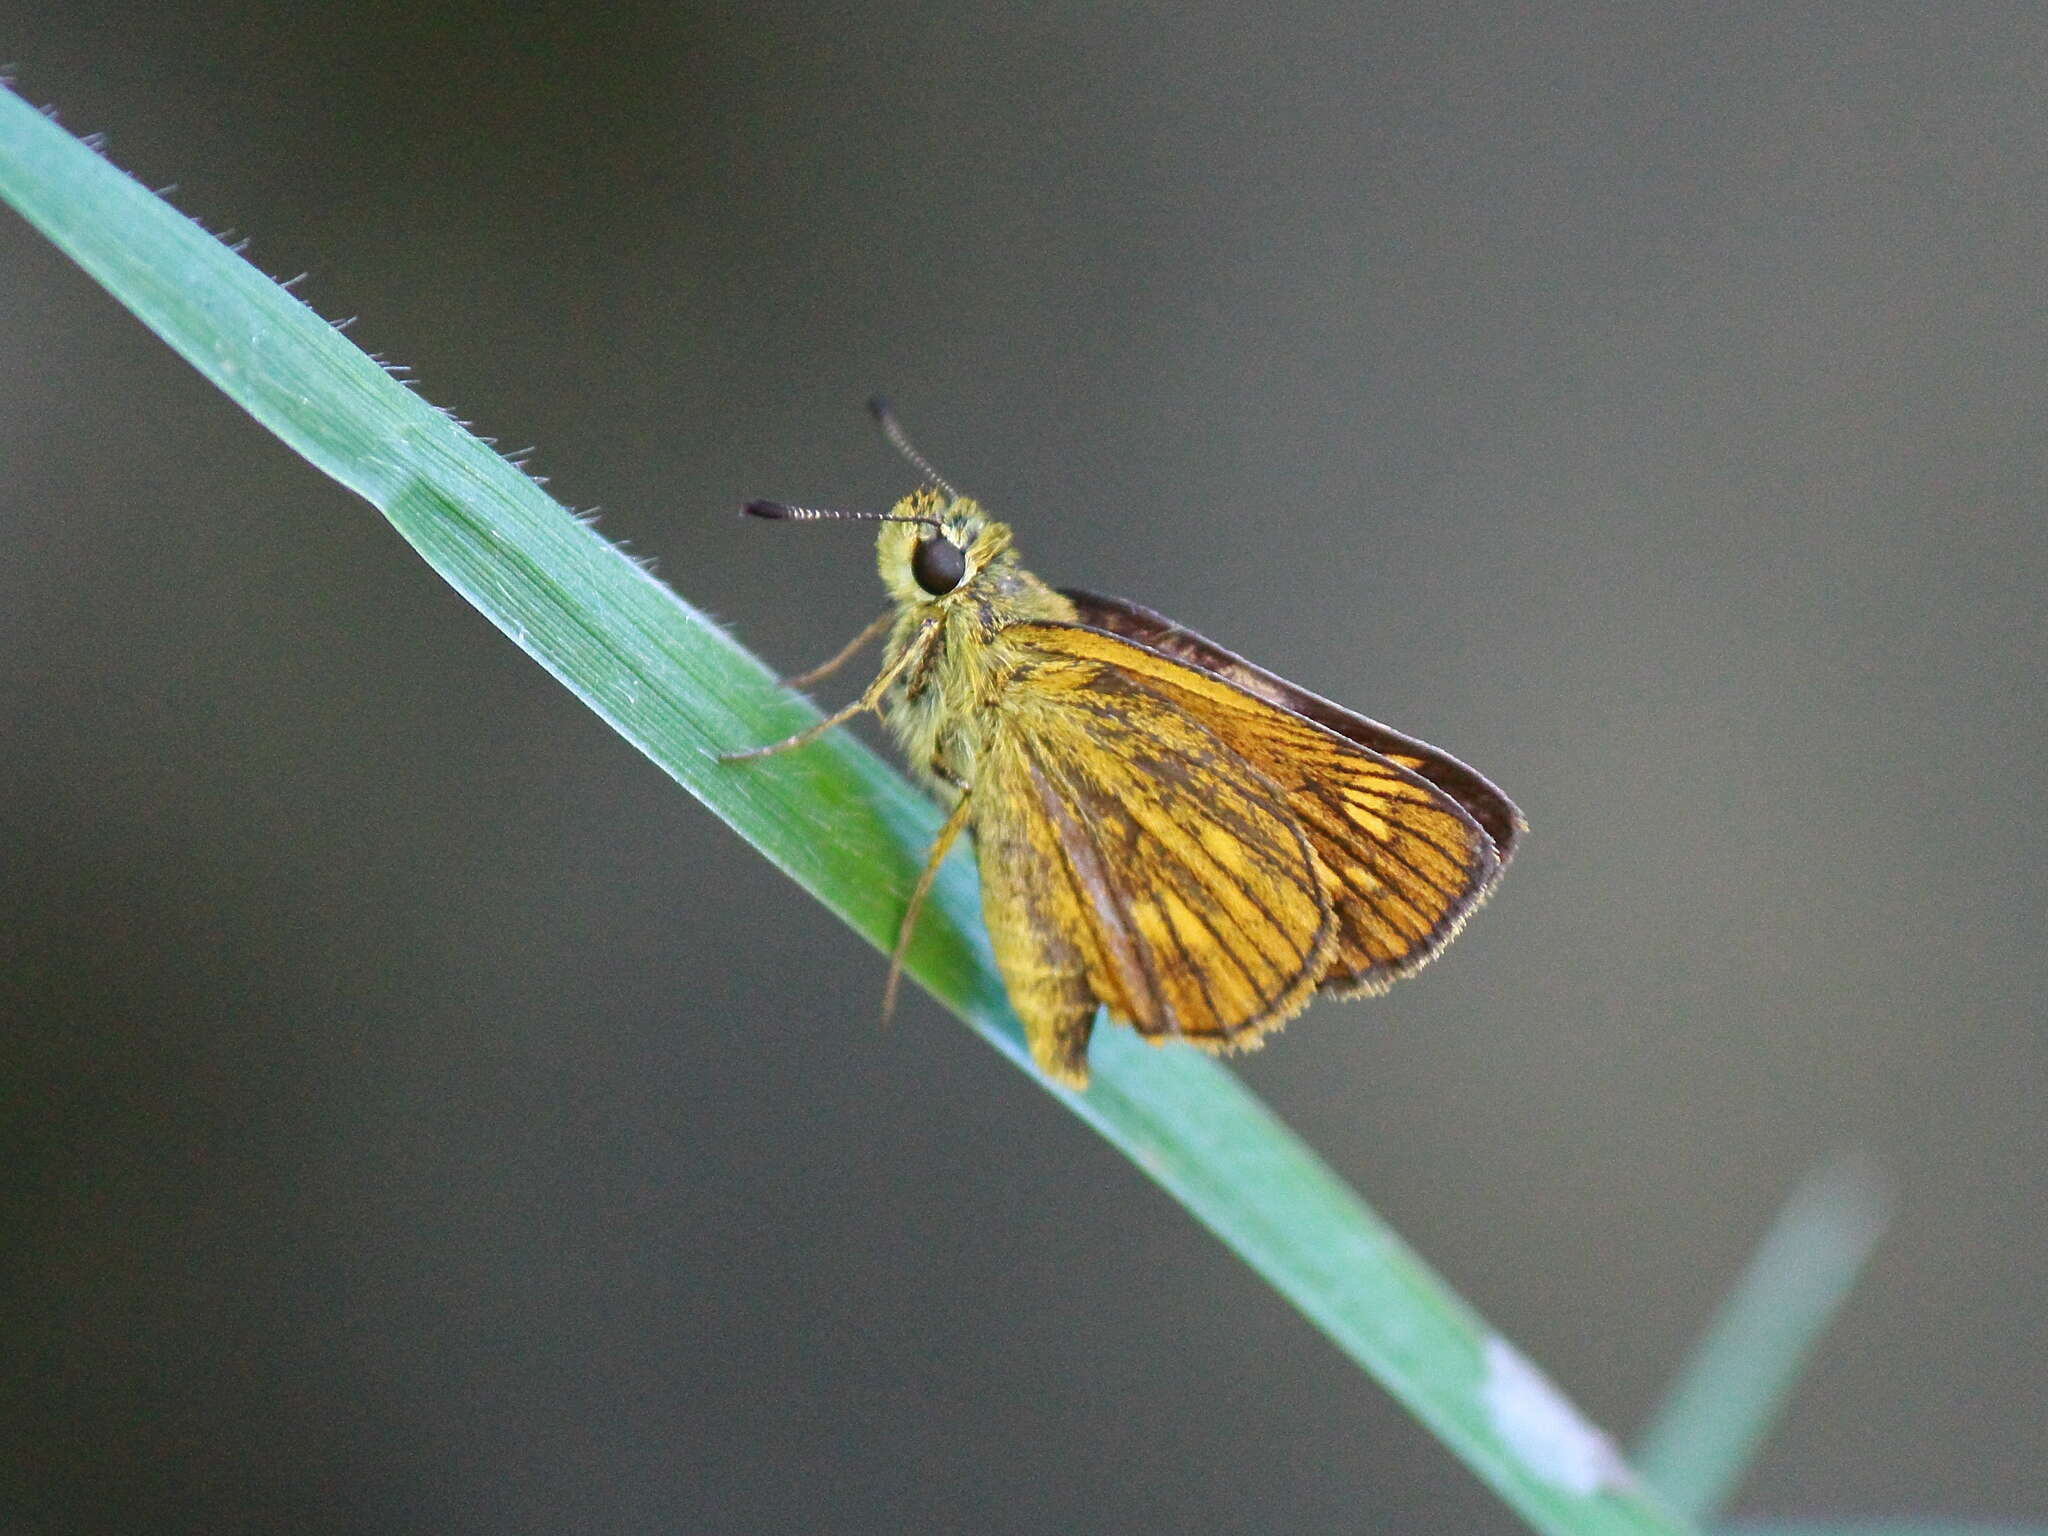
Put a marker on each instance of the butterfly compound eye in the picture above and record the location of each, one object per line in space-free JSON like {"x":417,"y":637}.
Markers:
{"x":938,"y":564}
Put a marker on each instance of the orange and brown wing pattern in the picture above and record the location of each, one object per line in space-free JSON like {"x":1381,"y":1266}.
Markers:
{"x":1401,"y":861}
{"x":1481,"y":799}
{"x":1129,"y":857}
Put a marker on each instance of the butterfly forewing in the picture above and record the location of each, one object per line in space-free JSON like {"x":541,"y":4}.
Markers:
{"x":1494,"y":812}
{"x":1130,"y":856}
{"x":1401,"y":862}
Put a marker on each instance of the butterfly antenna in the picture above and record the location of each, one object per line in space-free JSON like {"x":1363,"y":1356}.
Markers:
{"x":892,"y":429}
{"x":785,"y":512}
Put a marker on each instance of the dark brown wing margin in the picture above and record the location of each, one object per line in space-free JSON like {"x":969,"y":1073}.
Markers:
{"x":1485,"y":804}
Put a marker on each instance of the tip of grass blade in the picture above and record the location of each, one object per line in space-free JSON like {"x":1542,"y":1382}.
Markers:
{"x":1732,"y":1387}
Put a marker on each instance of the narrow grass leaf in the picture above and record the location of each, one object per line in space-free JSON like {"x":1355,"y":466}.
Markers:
{"x":1733,"y":1385}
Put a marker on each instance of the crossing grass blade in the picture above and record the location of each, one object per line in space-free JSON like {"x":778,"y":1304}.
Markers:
{"x":1731,"y":1389}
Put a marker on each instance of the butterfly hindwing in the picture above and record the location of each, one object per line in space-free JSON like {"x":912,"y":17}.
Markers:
{"x":1128,"y":856}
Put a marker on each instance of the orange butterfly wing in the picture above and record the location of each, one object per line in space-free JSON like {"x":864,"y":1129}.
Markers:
{"x":1481,"y":799}
{"x":1402,"y":863}
{"x":1131,"y":857}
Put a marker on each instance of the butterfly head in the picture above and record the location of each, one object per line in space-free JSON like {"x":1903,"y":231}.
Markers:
{"x":936,"y":547}
{"x":933,"y":545}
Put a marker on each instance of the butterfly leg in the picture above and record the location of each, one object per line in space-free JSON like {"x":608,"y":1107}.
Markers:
{"x":940,"y":846}
{"x":872,"y":699}
{"x":804,"y":737}
{"x":846,"y":653}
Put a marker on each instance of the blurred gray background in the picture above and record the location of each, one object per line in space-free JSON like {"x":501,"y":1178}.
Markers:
{"x":420,"y":1115}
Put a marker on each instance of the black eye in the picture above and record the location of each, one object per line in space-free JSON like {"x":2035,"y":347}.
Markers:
{"x":938,"y":564}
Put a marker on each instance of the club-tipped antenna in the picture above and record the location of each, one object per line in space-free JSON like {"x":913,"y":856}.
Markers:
{"x":892,"y":429}
{"x":785,"y":512}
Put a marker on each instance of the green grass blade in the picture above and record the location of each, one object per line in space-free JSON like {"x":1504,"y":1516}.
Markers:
{"x":835,"y":817}
{"x":1731,"y":1388}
